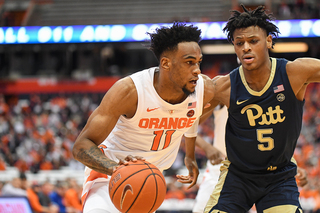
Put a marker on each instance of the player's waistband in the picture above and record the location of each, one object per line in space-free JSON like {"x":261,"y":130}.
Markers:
{"x":288,"y":171}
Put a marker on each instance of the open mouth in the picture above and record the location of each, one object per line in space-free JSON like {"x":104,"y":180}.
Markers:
{"x":194,"y":82}
{"x":248,"y":59}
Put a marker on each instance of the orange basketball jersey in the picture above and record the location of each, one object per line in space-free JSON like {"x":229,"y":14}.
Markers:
{"x":156,"y":129}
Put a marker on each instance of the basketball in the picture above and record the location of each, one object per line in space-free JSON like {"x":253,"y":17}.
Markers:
{"x":138,"y":187}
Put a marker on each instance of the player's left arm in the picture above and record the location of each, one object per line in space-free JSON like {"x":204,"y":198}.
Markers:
{"x":190,"y":157}
{"x":190,"y":163}
{"x":190,"y":137}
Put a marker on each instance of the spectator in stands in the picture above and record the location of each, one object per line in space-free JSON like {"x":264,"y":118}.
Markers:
{"x":57,"y":196}
{"x":44,"y":193}
{"x":21,"y":164}
{"x":13,"y":188}
{"x":175,"y":191}
{"x":24,"y":181}
{"x":46,"y":164}
{"x":2,"y":164}
{"x":4,"y":108}
{"x":33,"y":197}
{"x":73,"y":195}
{"x":284,"y":10}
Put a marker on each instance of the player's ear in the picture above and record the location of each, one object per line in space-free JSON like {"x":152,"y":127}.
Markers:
{"x":269,"y":42}
{"x":165,"y":63}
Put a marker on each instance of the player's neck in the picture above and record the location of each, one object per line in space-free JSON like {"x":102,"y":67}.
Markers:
{"x":167,"y":92}
{"x":258,"y":78}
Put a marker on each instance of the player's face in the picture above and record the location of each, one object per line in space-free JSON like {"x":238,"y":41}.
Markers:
{"x":252,"y":46}
{"x":185,"y":66}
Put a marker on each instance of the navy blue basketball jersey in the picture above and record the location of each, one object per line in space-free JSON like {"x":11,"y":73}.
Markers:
{"x":263,"y":127}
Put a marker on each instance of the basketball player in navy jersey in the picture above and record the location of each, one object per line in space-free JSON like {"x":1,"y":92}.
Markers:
{"x":215,"y":153}
{"x":265,"y":98}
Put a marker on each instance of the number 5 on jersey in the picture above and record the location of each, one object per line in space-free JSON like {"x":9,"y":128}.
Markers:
{"x":267,"y":143}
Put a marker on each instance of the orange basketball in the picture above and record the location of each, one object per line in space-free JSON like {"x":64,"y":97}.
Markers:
{"x":138,"y":187}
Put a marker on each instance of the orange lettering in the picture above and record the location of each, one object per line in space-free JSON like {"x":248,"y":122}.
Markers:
{"x":182,"y":123}
{"x":143,"y":123}
{"x":163,"y":123}
{"x":154,"y":122}
{"x":166,"y":123}
{"x":173,"y":123}
{"x":190,"y":122}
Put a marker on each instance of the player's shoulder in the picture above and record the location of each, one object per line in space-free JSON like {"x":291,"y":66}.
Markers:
{"x":121,"y":97}
{"x":301,"y":68}
{"x":298,"y":64}
{"x":123,"y":88}
{"x":125,"y":83}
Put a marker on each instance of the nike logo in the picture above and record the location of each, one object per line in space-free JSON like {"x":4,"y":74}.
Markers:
{"x":126,"y":189}
{"x":241,"y":102}
{"x":149,"y":110}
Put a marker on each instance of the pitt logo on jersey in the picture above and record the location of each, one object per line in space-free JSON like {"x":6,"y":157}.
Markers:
{"x":272,"y":116}
{"x":166,"y":123}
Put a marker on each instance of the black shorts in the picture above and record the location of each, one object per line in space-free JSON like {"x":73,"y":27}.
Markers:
{"x":235,"y":194}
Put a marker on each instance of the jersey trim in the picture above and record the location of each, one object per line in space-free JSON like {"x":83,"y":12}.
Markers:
{"x":266,"y":87}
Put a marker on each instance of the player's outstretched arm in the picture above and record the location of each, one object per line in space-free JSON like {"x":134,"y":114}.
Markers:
{"x":220,"y":93}
{"x":309,"y":68}
{"x":301,"y":72}
{"x":191,"y":163}
{"x":121,"y":99}
{"x":209,"y":102}
{"x":212,"y":153}
{"x":301,"y":177}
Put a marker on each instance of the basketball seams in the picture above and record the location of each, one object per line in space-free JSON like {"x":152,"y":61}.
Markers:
{"x":127,"y":179}
{"x":157,"y":185}
{"x":154,"y":202}
{"x":157,"y":188}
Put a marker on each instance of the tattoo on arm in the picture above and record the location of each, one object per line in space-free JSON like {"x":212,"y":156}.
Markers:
{"x":96,"y":160}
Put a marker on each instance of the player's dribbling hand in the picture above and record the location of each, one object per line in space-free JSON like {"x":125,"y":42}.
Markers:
{"x":129,"y":158}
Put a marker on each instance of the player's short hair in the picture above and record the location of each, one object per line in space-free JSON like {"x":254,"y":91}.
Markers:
{"x":257,"y":17}
{"x":168,"y":38}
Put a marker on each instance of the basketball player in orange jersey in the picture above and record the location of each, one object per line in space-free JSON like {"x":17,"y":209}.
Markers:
{"x":265,"y":98}
{"x":145,"y":115}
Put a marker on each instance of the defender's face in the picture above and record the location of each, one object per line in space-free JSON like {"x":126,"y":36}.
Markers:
{"x":252,"y":46}
{"x":185,"y":66}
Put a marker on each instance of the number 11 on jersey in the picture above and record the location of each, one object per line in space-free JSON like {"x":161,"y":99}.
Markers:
{"x":157,"y":138}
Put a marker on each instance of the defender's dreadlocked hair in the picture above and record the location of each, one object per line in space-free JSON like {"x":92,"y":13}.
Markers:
{"x":256,"y":17}
{"x":166,"y":38}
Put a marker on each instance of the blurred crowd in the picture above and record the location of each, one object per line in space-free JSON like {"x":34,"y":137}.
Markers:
{"x":62,"y":197}
{"x":307,"y":152}
{"x":299,"y":9}
{"x":37,"y":132}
